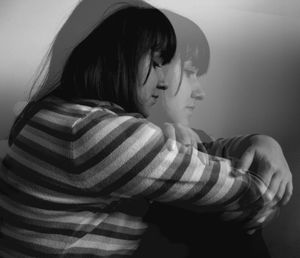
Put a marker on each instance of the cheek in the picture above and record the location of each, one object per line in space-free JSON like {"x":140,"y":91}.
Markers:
{"x":152,"y":83}
{"x":185,"y":92}
{"x":171,"y":102}
{"x":149,"y":87}
{"x":173,"y":77}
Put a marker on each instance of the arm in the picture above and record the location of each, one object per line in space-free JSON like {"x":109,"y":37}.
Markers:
{"x":263,"y":156}
{"x":137,"y":163}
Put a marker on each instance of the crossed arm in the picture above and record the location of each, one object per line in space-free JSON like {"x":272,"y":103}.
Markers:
{"x":143,"y":165}
{"x":258,"y":157}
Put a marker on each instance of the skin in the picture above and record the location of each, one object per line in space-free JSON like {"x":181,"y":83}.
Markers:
{"x":180,"y":105}
{"x":259,"y":153}
{"x":148,"y":92}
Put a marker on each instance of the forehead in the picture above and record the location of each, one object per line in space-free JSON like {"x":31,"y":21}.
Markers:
{"x":196,"y":57}
{"x":190,"y":53}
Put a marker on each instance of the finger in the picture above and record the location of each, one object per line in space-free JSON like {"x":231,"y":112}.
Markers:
{"x":280,"y":193}
{"x":265,"y":173}
{"x":251,"y":225}
{"x":194,"y":142}
{"x":262,"y":218}
{"x":244,"y":163}
{"x":251,"y":232}
{"x":190,"y":138}
{"x":182,"y":135}
{"x":273,"y":187}
{"x":288,"y":193}
{"x":169,"y":131}
{"x":195,"y":137}
{"x":170,"y":135}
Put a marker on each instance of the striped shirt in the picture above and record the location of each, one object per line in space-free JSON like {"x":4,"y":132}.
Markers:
{"x":78,"y":178}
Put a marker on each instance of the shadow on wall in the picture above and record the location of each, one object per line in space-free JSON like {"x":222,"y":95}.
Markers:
{"x":86,"y":15}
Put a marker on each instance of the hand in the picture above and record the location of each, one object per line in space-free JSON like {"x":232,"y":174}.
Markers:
{"x":265,"y":158}
{"x":180,"y":133}
{"x":262,"y":218}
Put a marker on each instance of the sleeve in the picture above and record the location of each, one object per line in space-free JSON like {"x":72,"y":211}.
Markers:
{"x":232,"y":149}
{"x":229,"y":148}
{"x":129,"y":159}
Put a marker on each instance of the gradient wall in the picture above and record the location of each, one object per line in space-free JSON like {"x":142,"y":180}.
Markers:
{"x":252,"y":84}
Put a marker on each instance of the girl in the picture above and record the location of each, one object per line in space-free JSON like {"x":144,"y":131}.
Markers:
{"x":195,"y":235}
{"x":84,"y":163}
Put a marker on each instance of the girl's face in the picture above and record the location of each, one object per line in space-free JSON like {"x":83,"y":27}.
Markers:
{"x":151,"y":78}
{"x":180,"y":105}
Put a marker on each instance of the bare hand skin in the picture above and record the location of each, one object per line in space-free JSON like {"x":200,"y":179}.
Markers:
{"x":260,"y":154}
{"x":180,"y":133}
{"x":264,"y":156}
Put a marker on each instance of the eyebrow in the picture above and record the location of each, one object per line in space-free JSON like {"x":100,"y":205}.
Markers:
{"x":191,"y":68}
{"x":189,"y":65}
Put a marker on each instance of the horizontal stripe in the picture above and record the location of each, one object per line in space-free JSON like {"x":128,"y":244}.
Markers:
{"x":79,"y":168}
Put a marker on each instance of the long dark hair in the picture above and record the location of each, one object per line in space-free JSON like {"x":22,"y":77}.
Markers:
{"x":104,"y":66}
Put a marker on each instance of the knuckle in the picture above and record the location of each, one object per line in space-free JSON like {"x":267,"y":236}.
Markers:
{"x":280,"y":195}
{"x":290,"y":191}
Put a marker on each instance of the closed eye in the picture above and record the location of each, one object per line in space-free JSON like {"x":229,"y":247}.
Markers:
{"x":157,"y":60}
{"x":156,"y":64}
{"x":190,"y":72}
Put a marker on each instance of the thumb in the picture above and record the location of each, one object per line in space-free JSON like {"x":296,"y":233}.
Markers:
{"x":170,"y":136}
{"x":246,"y":160}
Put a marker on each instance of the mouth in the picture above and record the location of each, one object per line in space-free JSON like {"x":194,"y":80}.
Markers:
{"x":190,"y":107}
{"x":162,"y":87}
{"x":154,"y":99}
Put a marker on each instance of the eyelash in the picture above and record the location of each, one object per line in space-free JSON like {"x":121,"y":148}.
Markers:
{"x":156,"y":64}
{"x":189,"y":72}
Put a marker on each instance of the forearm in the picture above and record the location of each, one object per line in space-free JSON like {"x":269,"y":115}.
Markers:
{"x":205,"y":184}
{"x":141,"y":165}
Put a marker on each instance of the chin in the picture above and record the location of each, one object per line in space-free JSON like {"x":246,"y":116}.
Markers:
{"x":145,"y":113}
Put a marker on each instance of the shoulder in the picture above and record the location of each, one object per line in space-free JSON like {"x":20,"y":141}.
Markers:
{"x":81,"y":116}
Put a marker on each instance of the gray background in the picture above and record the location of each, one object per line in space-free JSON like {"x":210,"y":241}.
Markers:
{"x":252,"y":84}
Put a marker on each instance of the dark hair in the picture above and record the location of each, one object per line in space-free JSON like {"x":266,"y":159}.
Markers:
{"x":192,"y":43}
{"x":105,"y":65}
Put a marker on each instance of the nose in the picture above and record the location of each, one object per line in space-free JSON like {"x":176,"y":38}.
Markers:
{"x":161,"y":77}
{"x":197,"y":90}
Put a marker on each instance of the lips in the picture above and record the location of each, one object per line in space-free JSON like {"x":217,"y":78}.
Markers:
{"x":162,"y":87}
{"x":190,"y":107}
{"x":154,"y":99}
